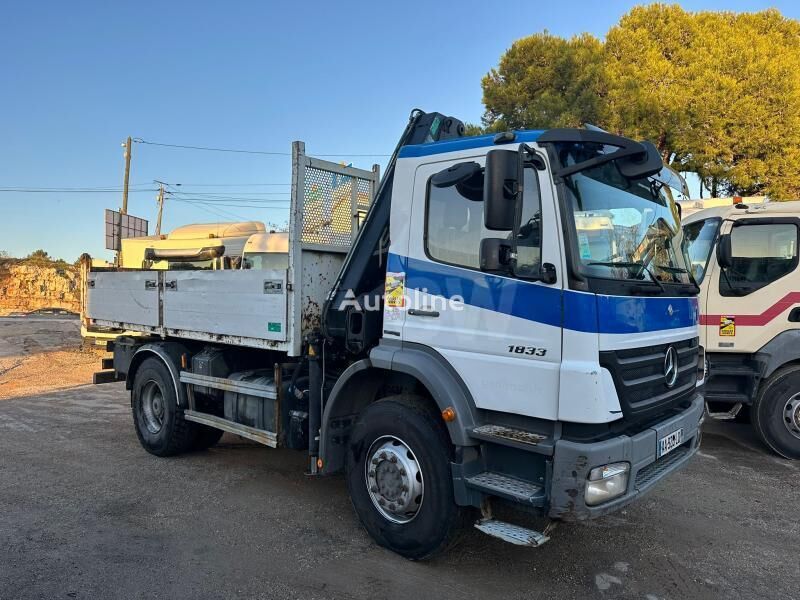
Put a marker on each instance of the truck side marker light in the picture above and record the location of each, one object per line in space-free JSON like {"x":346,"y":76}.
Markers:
{"x":449,"y":414}
{"x":319,"y":463}
{"x":183,"y":361}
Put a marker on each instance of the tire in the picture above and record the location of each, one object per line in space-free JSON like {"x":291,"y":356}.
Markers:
{"x":159,"y":421}
{"x":778,"y":430}
{"x":206,"y":437}
{"x":400,"y":424}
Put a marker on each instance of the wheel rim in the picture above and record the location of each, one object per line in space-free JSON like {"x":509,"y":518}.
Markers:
{"x":791,"y":415}
{"x":153,"y":407}
{"x":394,"y":479}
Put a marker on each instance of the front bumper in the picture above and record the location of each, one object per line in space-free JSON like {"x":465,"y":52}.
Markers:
{"x":573,"y":461}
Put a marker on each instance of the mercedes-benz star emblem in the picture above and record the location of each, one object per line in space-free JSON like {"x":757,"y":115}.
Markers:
{"x":671,"y":366}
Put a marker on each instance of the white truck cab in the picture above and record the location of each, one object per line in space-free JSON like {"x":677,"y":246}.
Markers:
{"x":745,"y":259}
{"x":513,"y":322}
{"x":266,"y":251}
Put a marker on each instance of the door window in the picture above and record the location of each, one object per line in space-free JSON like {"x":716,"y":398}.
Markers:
{"x":760,"y":254}
{"x":454,"y":227}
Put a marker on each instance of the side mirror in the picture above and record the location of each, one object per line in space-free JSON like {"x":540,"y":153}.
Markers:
{"x":500,"y":184}
{"x":641,"y":165}
{"x":724,"y":250}
{"x":495,"y":255}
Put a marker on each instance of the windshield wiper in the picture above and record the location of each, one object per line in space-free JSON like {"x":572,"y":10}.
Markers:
{"x":631,"y":265}
{"x":672,"y":269}
{"x":620,"y":263}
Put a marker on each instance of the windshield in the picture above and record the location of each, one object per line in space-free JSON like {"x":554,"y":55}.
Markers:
{"x":265,"y":261}
{"x":698,"y":241}
{"x":626,"y":229}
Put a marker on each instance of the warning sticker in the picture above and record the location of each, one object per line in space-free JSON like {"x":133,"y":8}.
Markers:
{"x":727,"y":326}
{"x":395,"y":290}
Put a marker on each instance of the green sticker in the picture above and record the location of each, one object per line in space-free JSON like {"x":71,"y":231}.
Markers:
{"x":272,"y":326}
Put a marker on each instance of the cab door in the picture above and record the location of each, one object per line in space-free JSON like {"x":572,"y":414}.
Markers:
{"x":502,"y":334}
{"x":751,"y":300}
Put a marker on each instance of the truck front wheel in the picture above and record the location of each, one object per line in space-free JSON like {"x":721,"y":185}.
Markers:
{"x":776,"y":412}
{"x":159,"y":421}
{"x":398,"y":475}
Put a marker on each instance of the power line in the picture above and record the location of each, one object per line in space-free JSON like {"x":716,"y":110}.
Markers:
{"x":238,"y":193}
{"x":226,"y":197}
{"x":233,"y":184}
{"x":240,"y":151}
{"x":211,"y":210}
{"x":67,"y":187}
{"x":69,"y":190}
{"x":252,"y":205}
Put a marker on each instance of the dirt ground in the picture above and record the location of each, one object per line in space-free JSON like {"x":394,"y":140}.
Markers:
{"x":42,"y":354}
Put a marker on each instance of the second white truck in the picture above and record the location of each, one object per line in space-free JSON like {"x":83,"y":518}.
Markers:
{"x":745,"y":257}
{"x":500,"y":320}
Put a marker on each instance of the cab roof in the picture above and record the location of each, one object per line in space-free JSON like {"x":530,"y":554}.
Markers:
{"x":731,"y":212}
{"x":466,"y":143}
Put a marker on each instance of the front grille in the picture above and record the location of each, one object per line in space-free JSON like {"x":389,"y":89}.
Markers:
{"x":638,"y":375}
{"x":656,"y":469}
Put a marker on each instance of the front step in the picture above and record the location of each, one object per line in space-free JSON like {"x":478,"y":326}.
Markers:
{"x":728,"y":415}
{"x":513,"y":534}
{"x":515,"y":438}
{"x":510,"y":488}
{"x":737,"y":371}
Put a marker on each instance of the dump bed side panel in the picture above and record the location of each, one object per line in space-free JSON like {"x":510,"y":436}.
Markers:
{"x":233,"y":303}
{"x":129,"y":296}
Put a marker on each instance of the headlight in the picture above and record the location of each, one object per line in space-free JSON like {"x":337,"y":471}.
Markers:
{"x":606,"y":483}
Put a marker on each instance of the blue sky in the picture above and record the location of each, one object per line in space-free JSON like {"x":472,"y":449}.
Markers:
{"x":76,"y":78}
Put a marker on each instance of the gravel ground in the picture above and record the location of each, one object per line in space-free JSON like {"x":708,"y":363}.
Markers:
{"x":39,"y":354}
{"x":86,"y":513}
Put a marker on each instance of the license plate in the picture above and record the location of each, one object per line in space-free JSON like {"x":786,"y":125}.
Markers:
{"x":668,"y":443}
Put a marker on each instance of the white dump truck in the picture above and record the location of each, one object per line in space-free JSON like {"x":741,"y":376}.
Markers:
{"x":745,"y":258}
{"x":445,"y":336}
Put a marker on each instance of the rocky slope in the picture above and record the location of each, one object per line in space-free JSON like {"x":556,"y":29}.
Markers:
{"x":26,"y":286}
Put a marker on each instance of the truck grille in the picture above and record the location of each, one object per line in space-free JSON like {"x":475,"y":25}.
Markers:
{"x":638,"y":375}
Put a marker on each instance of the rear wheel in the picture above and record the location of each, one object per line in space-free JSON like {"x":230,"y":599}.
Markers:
{"x":398,"y":475}
{"x":776,"y":412}
{"x":159,"y":421}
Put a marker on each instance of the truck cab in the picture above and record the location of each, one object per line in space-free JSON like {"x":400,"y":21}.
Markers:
{"x":572,"y":314}
{"x":745,"y":256}
{"x":266,"y":251}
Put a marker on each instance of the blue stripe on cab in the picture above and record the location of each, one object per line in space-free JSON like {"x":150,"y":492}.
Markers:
{"x":577,"y":311}
{"x":499,"y":294}
{"x":626,"y":314}
{"x":463,"y":143}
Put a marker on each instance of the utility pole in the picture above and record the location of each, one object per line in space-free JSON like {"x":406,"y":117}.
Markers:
{"x":124,"y":209}
{"x":160,"y":206}
{"x":127,"y":176}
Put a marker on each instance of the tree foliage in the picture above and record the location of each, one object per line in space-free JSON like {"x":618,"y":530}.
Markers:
{"x":39,"y":255}
{"x":717,"y":92}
